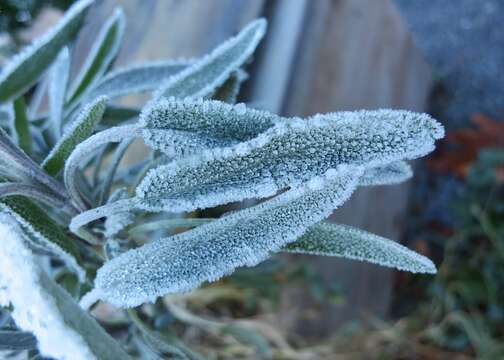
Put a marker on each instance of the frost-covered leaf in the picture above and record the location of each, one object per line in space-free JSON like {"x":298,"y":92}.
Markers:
{"x":210,"y":72}
{"x":43,"y":231}
{"x":35,"y":192}
{"x":58,"y":81}
{"x":24,"y":69}
{"x":139,"y":78}
{"x":21,"y":128}
{"x":285,"y":155}
{"x":345,"y":241}
{"x":80,"y":130}
{"x":390,"y":174}
{"x":118,"y":221}
{"x":15,"y":164}
{"x":100,"y":57}
{"x":208,"y":252}
{"x":184,"y":127}
{"x":63,"y":330}
{"x":228,"y":92}
{"x":113,"y":164}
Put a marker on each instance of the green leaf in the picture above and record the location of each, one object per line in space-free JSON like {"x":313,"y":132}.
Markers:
{"x":207,"y":74}
{"x":44,"y":231}
{"x":290,"y":152}
{"x":185,"y":127}
{"x":100,"y":57}
{"x":208,"y":252}
{"x":79,"y":131}
{"x":21,"y":129}
{"x":345,"y":241}
{"x":139,"y":78}
{"x":26,"y":68}
{"x":63,"y":330}
{"x":17,"y":340}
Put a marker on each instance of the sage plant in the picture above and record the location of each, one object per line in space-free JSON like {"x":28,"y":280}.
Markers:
{"x":68,"y":207}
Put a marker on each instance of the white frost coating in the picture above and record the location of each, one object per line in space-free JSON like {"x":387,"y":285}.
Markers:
{"x":345,"y":241}
{"x":244,"y":238}
{"x":208,"y":73}
{"x":62,"y":329}
{"x":287,"y":154}
{"x":120,"y":220}
{"x":138,"y":78}
{"x":390,"y":174}
{"x":101,"y":54}
{"x":74,"y":13}
{"x":49,"y":245}
{"x":185,"y":127}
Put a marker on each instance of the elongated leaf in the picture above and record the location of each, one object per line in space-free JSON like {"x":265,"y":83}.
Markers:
{"x":139,"y":78}
{"x":181,"y":128}
{"x":62,"y":329}
{"x":351,"y":243}
{"x":80,"y":130}
{"x":17,"y":165}
{"x":100,"y":57}
{"x":390,"y":174}
{"x":21,"y":129}
{"x":207,"y":74}
{"x":17,"y":340}
{"x":208,"y":252}
{"x":228,"y":92}
{"x":58,"y":81}
{"x":117,"y":222}
{"x":26,"y":67}
{"x":34,"y":192}
{"x":290,"y":152}
{"x":44,"y":231}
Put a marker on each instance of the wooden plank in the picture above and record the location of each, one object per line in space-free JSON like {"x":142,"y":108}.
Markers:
{"x":356,"y":54}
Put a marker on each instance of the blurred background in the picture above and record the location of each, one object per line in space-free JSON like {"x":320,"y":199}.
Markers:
{"x":443,"y":57}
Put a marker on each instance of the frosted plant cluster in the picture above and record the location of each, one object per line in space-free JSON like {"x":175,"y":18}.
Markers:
{"x":78,"y":225}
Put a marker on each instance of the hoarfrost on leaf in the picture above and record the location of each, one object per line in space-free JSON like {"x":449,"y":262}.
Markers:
{"x":24,"y":69}
{"x":41,"y":306}
{"x":207,"y":74}
{"x":288,"y":153}
{"x":208,"y":252}
{"x":345,"y":241}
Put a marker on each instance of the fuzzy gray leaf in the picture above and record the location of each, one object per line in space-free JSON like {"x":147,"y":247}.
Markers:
{"x":80,"y":130}
{"x":185,"y":127}
{"x":100,"y":57}
{"x":43,"y":231}
{"x":390,"y":174}
{"x":285,"y":155}
{"x":26,"y":67}
{"x":137,"y":79}
{"x":41,"y":306}
{"x":208,"y":252}
{"x":344,"y":241}
{"x":202,"y":78}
